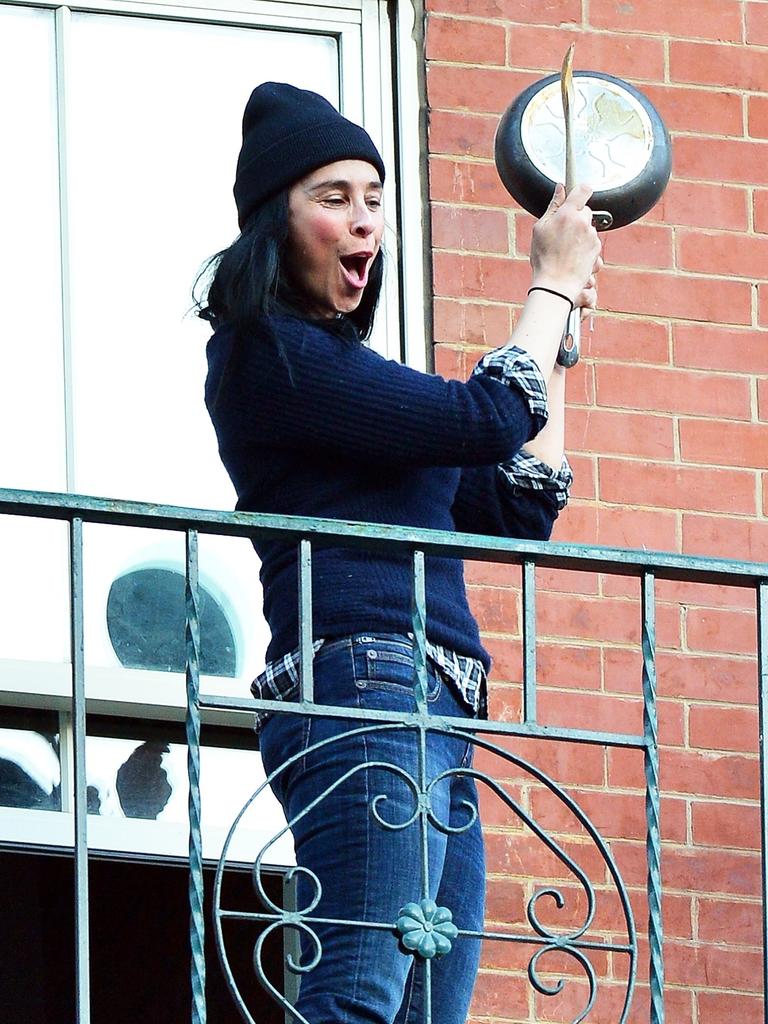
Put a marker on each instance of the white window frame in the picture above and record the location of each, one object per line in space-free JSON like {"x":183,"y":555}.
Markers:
{"x":367,"y":91}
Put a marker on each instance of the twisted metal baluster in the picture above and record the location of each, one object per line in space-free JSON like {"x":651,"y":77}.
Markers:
{"x":653,"y":842}
{"x":419,"y":616}
{"x":762,"y":682}
{"x":529,"y":642}
{"x":196,"y":919}
{"x":82,"y":942}
{"x":307,"y":688}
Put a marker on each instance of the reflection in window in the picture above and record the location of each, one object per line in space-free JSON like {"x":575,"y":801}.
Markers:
{"x":30,"y":770}
{"x":147,"y":778}
{"x":146,"y":624}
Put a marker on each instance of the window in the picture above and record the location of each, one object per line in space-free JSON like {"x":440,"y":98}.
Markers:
{"x":124,"y":133}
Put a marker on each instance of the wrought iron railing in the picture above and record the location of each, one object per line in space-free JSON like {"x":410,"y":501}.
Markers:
{"x":309,"y":534}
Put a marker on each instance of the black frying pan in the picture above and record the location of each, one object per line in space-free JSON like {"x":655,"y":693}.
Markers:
{"x":615,"y":140}
{"x":621,"y":146}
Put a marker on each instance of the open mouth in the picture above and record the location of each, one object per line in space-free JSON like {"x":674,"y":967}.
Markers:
{"x":356,"y":268}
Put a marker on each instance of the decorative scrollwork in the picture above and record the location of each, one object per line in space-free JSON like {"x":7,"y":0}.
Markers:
{"x":425,"y":929}
{"x":555,"y":989}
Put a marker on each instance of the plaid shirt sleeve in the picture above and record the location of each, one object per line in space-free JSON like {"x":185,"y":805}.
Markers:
{"x":527,"y":472}
{"x":515,"y":368}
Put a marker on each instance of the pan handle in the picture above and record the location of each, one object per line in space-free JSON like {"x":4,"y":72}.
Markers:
{"x":570,"y":344}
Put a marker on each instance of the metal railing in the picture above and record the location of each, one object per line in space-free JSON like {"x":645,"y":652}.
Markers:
{"x":309,"y":534}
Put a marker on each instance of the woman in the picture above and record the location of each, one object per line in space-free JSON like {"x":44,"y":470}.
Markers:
{"x":311,"y":422}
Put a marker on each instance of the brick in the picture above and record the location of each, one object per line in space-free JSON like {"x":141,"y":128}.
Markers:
{"x":736,"y":67}
{"x":580,"y":388}
{"x":737,"y":923}
{"x":725,"y":538}
{"x":636,"y":528}
{"x":577,"y":524}
{"x":569,"y":666}
{"x":720,"y":630}
{"x":712,"y":967}
{"x":757,"y":117}
{"x":619,"y":433}
{"x":506,"y":702}
{"x":676,"y":593}
{"x":471,"y":323}
{"x":721,"y":160}
{"x":639,"y":245}
{"x":587,"y":618}
{"x":480,"y":90}
{"x":614,"y":815}
{"x":712,"y":347}
{"x":456,"y":227}
{"x":465,"y":41}
{"x":714,"y":19}
{"x":673,"y":390}
{"x":538,"y":12}
{"x":638,"y":340}
{"x":542,"y":49}
{"x":584,"y":475}
{"x":590,"y":711}
{"x":510,"y":854}
{"x":718,"y":728}
{"x":503,"y":897}
{"x":712,"y":871}
{"x":760,"y":210}
{"x":765,"y":494}
{"x":569,"y":763}
{"x":453,"y":181}
{"x":496,"y":608}
{"x":724,"y":444}
{"x":737,"y":255}
{"x":689,"y":298}
{"x":483,"y":277}
{"x":492,"y":574}
{"x":726,"y":826}
{"x":727,"y":1007}
{"x":700,"y":205}
{"x":705,"y":595}
{"x":566,"y":581}
{"x":757,"y":23}
{"x":506,"y":657}
{"x":762,"y":305}
{"x":503,"y":995}
{"x":709,"y":111}
{"x":462,"y":134}
{"x":726,"y":775}
{"x":677,"y":487}
{"x":450,"y":362}
{"x":710,"y":678}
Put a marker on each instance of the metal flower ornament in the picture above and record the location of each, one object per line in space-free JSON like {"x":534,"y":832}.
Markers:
{"x":425,"y":929}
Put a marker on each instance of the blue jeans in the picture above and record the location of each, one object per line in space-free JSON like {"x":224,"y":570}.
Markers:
{"x":366,"y":871}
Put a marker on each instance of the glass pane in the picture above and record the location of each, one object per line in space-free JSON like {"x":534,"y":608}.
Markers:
{"x":134,"y":778}
{"x":31,"y":384}
{"x":30,"y":768}
{"x":151,"y":171}
{"x":34,"y":598}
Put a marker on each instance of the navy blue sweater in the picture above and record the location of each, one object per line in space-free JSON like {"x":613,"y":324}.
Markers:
{"x":310,"y":422}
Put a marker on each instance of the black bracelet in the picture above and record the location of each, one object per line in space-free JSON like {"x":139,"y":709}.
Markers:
{"x":551,"y":291}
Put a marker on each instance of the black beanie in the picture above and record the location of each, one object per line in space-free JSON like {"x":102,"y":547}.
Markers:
{"x":288,"y":132}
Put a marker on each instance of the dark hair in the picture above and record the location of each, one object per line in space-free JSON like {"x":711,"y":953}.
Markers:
{"x":248,"y":280}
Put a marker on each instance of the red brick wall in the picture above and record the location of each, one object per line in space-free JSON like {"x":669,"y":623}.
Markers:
{"x":668,"y":435}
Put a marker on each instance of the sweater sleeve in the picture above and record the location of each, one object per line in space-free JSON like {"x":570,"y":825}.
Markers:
{"x":299,"y":385}
{"x":505,"y":501}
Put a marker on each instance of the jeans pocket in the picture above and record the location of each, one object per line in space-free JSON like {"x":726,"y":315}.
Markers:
{"x":387,"y":666}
